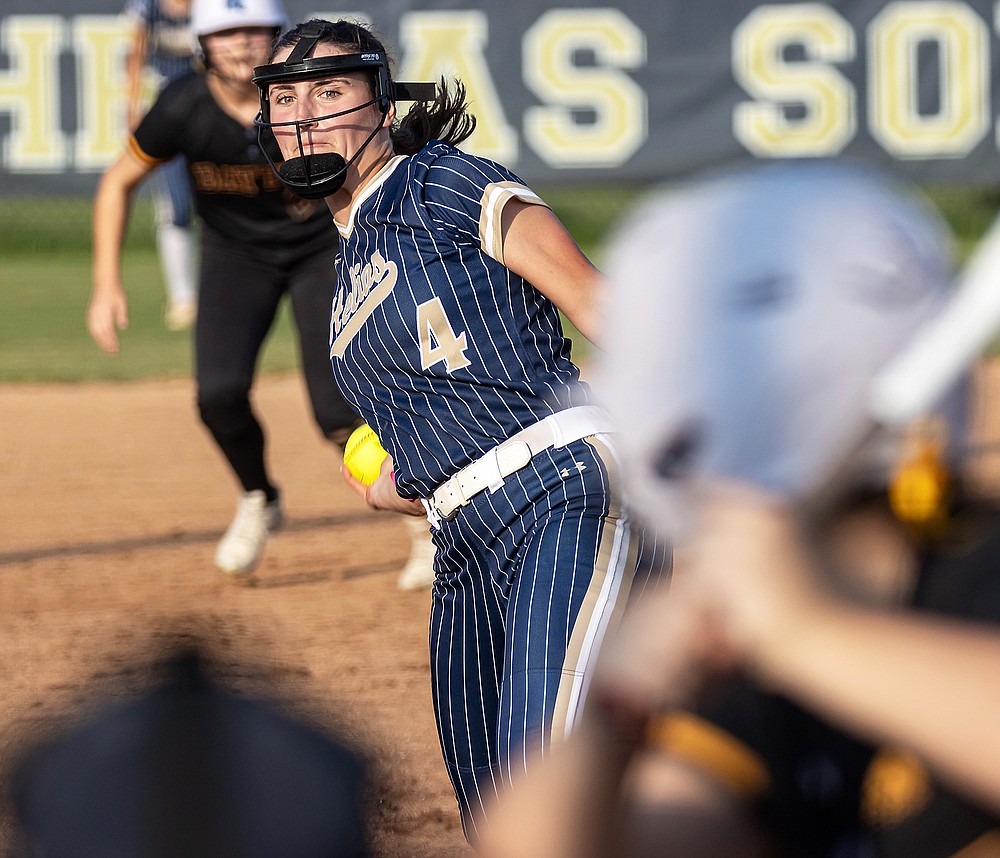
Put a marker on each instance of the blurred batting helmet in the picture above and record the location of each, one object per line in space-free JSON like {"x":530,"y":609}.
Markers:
{"x":749,"y":315}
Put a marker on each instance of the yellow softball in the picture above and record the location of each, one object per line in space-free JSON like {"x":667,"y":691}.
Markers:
{"x":364,"y":454}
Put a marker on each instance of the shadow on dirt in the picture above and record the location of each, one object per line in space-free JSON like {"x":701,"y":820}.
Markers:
{"x":164,"y":540}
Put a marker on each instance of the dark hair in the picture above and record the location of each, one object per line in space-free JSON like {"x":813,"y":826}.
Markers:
{"x":446,"y":118}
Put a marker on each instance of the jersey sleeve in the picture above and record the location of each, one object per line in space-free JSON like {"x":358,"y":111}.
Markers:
{"x":468,"y":194}
{"x":156,"y":138}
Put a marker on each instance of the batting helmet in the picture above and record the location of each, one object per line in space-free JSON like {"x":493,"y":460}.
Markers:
{"x":749,"y":317}
{"x":214,"y":16}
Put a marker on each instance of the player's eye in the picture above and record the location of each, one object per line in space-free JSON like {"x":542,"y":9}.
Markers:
{"x":282,"y":99}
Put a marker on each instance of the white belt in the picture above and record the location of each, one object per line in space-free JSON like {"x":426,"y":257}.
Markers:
{"x":490,"y":469}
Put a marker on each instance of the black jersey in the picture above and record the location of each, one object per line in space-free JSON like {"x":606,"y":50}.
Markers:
{"x":237,"y":194}
{"x":926,"y":818}
{"x":827,"y":794}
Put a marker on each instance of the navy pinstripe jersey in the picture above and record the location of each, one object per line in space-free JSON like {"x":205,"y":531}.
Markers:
{"x":442,"y":349}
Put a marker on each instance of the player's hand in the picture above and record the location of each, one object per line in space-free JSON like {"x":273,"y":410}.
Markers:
{"x":382,"y":494}
{"x":744,"y":587}
{"x":751,"y":562}
{"x":106,"y":316}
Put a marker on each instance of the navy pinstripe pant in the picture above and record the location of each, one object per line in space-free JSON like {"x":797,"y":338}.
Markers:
{"x":529,"y":578}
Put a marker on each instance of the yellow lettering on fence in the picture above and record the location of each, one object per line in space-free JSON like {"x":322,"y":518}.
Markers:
{"x":616,"y":125}
{"x":803,"y":107}
{"x":100,"y":42}
{"x":453,"y":44}
{"x":962,"y":117}
{"x":29,"y":93}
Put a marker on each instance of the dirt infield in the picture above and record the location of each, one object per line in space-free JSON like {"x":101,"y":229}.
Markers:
{"x":112,"y":501}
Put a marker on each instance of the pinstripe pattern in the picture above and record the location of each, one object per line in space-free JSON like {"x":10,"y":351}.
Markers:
{"x":418,"y":224}
{"x":529,"y":576}
{"x":528,"y":580}
{"x":169,"y":48}
{"x":617,"y":557}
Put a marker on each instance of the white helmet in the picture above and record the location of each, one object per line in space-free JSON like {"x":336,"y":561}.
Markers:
{"x":748,"y":317}
{"x":213,"y":16}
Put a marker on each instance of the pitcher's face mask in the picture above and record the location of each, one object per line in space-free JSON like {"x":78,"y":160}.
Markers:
{"x":315,"y":176}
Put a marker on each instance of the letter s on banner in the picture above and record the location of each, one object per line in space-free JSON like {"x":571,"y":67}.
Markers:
{"x":618,"y":104}
{"x":826,"y":97}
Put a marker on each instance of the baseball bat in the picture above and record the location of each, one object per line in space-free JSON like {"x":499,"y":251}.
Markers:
{"x":914,"y":381}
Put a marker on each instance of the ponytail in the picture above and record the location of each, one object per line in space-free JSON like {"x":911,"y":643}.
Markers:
{"x":446,"y":119}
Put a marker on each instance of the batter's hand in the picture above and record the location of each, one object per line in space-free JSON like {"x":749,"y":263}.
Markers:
{"x":106,"y":316}
{"x":755,"y":567}
{"x":382,"y":494}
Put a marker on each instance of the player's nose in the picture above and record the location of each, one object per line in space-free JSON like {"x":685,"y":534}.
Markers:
{"x":305,"y":114}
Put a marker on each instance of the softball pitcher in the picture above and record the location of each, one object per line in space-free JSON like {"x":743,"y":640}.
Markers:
{"x":446,"y":336}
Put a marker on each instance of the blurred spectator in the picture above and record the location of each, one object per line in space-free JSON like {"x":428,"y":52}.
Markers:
{"x":741,"y":378}
{"x":191,"y":769}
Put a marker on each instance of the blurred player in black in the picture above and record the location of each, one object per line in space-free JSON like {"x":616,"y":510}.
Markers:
{"x":778,"y":700}
{"x":259,"y":243}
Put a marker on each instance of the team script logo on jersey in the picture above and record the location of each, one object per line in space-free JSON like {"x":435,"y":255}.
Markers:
{"x":371,"y":284}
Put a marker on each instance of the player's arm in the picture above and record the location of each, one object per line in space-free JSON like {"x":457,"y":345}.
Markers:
{"x":929,"y":685}
{"x":537,"y":246}
{"x":601,"y":792}
{"x":135,"y":64}
{"x":108,"y":310}
{"x":565,"y":804}
{"x":925,"y":683}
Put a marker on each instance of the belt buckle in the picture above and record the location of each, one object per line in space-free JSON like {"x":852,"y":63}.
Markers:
{"x":451,"y":515}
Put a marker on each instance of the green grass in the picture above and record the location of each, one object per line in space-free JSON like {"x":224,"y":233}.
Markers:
{"x":969,"y":212}
{"x":43,"y":335}
{"x":589,"y":213}
{"x":45,"y":283}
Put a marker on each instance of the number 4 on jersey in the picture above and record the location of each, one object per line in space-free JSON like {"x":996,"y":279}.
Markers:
{"x":437,"y":338}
